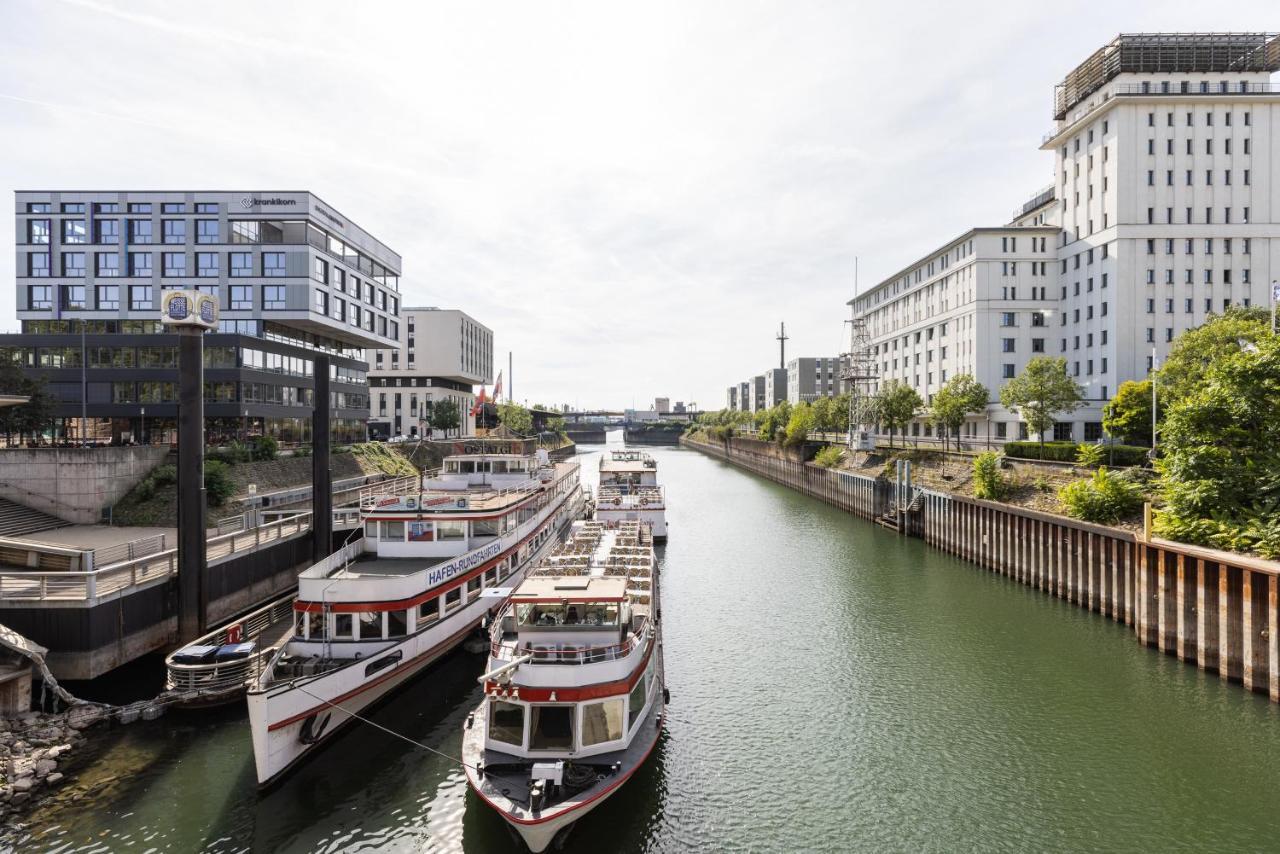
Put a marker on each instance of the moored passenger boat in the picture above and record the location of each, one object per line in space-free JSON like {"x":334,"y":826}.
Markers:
{"x":431,"y":567}
{"x":574,"y":693}
{"x":629,"y":491}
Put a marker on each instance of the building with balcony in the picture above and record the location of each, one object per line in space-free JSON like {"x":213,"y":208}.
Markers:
{"x":443,"y":354}
{"x":1164,"y":210}
{"x":293,"y":277}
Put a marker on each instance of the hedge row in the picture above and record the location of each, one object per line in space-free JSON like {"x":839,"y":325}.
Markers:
{"x":1065,"y":452}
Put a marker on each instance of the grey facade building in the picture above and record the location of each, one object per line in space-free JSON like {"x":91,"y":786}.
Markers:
{"x":811,"y":378}
{"x":731,"y":397}
{"x":293,"y":277}
{"x":775,"y":386}
{"x":755,"y":394}
{"x":744,"y":397}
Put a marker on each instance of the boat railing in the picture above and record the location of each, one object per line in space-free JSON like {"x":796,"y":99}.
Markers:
{"x":631,"y":496}
{"x":563,"y":652}
{"x":405,"y":485}
{"x":229,"y":674}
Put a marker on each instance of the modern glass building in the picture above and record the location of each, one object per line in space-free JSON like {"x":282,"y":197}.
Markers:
{"x":293,"y":277}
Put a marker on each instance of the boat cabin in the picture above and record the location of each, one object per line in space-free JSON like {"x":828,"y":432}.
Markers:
{"x":628,"y":469}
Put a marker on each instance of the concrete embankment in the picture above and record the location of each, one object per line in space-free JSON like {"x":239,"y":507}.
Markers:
{"x":1216,"y":610}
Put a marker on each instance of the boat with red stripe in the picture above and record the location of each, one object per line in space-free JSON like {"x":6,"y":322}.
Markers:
{"x":575,"y":692}
{"x":432,"y":567}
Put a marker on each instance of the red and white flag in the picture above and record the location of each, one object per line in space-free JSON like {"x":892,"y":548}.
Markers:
{"x":479,"y":404}
{"x":497,"y":388}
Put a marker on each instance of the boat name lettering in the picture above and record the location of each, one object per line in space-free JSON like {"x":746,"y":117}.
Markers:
{"x":392,"y":500}
{"x":462,"y":564}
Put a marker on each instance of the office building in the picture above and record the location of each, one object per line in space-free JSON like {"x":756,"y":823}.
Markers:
{"x":775,"y":386}
{"x":811,"y":378}
{"x":1164,"y":210}
{"x":755,"y":394}
{"x":293,"y":277}
{"x":662,"y":405}
{"x":443,"y":355}
{"x":731,"y":397}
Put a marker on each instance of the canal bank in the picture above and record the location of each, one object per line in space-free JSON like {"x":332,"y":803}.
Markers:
{"x":1216,"y":610}
{"x":835,"y":687}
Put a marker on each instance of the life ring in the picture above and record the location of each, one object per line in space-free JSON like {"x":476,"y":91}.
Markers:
{"x":644,"y":501}
{"x":617,"y":502}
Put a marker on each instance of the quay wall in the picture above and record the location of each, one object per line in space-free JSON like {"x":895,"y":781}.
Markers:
{"x":75,"y":484}
{"x":1219,"y":611}
{"x":587,"y":435}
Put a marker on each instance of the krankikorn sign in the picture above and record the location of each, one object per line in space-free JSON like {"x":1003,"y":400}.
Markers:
{"x":253,"y":202}
{"x":443,"y":573}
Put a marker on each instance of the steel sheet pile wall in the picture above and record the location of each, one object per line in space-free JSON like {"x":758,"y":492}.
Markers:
{"x":1218,"y":610}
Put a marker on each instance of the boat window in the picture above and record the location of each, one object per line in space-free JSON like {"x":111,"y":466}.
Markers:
{"x":371,"y":530}
{"x":467,"y":466}
{"x":342,"y":625}
{"x":638,"y":695}
{"x":491,"y":575}
{"x":485,"y":528}
{"x":428,"y":612}
{"x":393,"y":531}
{"x":601,"y":722}
{"x":451,"y":466}
{"x":420,"y":532}
{"x":397,"y":624}
{"x":446,"y":530}
{"x":452,"y":599}
{"x":482,"y":466}
{"x":506,"y":722}
{"x":504,"y":568}
{"x":383,"y":663}
{"x":473,"y":588}
{"x":499,"y":466}
{"x":551,"y":728}
{"x":370,"y":624}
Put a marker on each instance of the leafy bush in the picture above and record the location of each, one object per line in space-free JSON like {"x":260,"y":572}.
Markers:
{"x":302,"y":451}
{"x":1065,"y":452}
{"x":829,"y":457}
{"x":164,"y":475}
{"x":232,"y":453}
{"x":1104,"y":498}
{"x":218,"y":485}
{"x":1090,"y":456}
{"x":988,"y":480}
{"x":265,"y":448}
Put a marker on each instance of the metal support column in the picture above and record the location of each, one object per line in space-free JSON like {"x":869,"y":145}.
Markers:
{"x":192,"y":515}
{"x":321,"y":476}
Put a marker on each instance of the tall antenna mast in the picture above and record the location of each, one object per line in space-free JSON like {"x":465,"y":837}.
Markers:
{"x":782,"y":346}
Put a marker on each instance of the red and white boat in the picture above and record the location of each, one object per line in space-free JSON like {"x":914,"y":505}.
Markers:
{"x":575,"y":693}
{"x":431,"y":567}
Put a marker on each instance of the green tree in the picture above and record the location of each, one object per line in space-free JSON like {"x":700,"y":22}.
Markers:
{"x":800,"y":424}
{"x":1220,"y":463}
{"x":771,"y":423}
{"x":31,"y":417}
{"x":1040,"y":392}
{"x":1196,"y":350}
{"x":1127,"y":416}
{"x":445,"y":416}
{"x":952,"y":403}
{"x":896,"y":404}
{"x":516,"y":418}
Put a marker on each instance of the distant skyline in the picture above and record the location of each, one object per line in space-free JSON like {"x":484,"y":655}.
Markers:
{"x":632,"y":196}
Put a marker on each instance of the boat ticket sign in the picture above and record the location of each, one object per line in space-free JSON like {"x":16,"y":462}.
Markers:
{"x":413,"y":502}
{"x":445,"y":571}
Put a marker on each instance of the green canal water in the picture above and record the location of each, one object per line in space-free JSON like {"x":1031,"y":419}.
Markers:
{"x":833,"y":687}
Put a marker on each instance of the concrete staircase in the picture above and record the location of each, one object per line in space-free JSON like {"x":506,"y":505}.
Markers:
{"x":17,"y":520}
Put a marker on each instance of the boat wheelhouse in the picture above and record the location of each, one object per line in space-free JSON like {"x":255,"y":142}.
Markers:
{"x":629,"y":491}
{"x":574,"y":693}
{"x":431,"y":567}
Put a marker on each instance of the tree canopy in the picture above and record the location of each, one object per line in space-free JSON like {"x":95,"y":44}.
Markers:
{"x":1196,"y":350}
{"x":960,"y":396}
{"x":515,"y":418}
{"x":1040,"y":392}
{"x":896,"y":404}
{"x":1127,"y":416}
{"x":31,"y":417}
{"x":445,"y":416}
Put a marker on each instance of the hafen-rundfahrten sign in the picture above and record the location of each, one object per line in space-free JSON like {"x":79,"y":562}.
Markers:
{"x":189,"y":309}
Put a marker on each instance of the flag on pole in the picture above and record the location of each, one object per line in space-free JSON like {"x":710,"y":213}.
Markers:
{"x":479,"y":404}
{"x":497,"y":388}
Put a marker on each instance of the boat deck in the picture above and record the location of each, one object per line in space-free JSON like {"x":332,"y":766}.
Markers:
{"x":389,"y":566}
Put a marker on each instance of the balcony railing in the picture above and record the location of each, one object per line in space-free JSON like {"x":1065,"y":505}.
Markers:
{"x":1121,"y":90}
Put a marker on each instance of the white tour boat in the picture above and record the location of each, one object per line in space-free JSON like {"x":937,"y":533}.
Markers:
{"x":629,"y":491}
{"x":575,"y":692}
{"x":431,"y":567}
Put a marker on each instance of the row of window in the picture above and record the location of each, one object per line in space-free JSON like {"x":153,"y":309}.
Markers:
{"x":1189,"y":180}
{"x":114,"y":207}
{"x":142,"y":297}
{"x":268,"y":330}
{"x":141,"y":264}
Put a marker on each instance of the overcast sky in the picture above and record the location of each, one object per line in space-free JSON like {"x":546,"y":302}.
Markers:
{"x":631,"y":195}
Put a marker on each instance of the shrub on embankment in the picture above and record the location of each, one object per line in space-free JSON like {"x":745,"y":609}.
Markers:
{"x":1066,"y":452}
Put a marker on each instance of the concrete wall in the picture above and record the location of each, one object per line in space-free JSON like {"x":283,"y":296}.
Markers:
{"x":74,"y":483}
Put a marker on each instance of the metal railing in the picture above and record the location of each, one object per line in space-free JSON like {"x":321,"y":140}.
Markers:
{"x":406,"y":485}
{"x":141,"y":547}
{"x":220,"y":677}
{"x":105,"y":580}
{"x":562,"y":653}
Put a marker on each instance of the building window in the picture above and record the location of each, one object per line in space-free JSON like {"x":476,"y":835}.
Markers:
{"x":1009,"y":371}
{"x":139,"y":263}
{"x":106,"y":264}
{"x":322,"y":305}
{"x":206,"y":264}
{"x":73,"y":231}
{"x":273,"y":296}
{"x":273,"y":264}
{"x":242,"y":297}
{"x":106,"y":231}
{"x":241,"y":264}
{"x":320,"y":271}
{"x":108,"y":297}
{"x":38,"y":231}
{"x":40,"y":296}
{"x":175,"y":264}
{"x":1007,"y":345}
{"x":175,"y":230}
{"x":140,"y":297}
{"x":73,"y":296}
{"x":72,"y":263}
{"x":1008,"y":318}
{"x":206,"y":231}
{"x":38,"y":265}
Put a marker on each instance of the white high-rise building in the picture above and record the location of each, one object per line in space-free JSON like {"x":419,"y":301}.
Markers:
{"x":1165,"y":208}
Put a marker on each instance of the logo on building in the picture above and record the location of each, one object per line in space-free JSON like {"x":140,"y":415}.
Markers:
{"x":189,"y":308}
{"x":253,"y":202}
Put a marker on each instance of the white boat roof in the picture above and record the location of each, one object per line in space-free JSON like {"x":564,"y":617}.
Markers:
{"x":571,"y":588}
